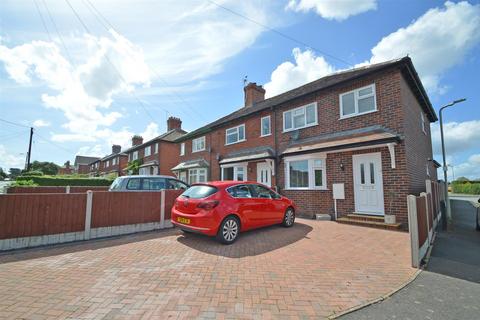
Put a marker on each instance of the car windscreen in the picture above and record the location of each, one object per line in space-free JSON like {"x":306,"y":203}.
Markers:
{"x":117,"y":184}
{"x":199,"y":191}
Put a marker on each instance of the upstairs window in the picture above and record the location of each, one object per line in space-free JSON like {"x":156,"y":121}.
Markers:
{"x":182,"y":149}
{"x":265,"y":125}
{"x":107,"y":164}
{"x":156,"y":148}
{"x":358,"y":102}
{"x":198,"y":144}
{"x":305,"y":116}
{"x":148,"y":151}
{"x":235,"y":134}
{"x":114,"y":161}
{"x":135,"y":155}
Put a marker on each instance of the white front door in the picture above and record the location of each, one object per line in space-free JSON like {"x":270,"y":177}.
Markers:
{"x":368,"y":183}
{"x":264,"y":174}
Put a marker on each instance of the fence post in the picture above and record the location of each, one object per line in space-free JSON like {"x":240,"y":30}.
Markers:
{"x":67,"y":189}
{"x":88,"y":214}
{"x":162,"y":209}
{"x":429,"y":191}
{"x":423,"y":194}
{"x":413,"y":228}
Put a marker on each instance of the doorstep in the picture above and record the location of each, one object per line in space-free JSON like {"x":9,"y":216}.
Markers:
{"x":373,"y":221}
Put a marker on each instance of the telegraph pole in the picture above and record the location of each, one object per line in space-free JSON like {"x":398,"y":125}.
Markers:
{"x":29,"y":149}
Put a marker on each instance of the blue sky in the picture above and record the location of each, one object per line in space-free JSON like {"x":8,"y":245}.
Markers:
{"x":136,"y":62}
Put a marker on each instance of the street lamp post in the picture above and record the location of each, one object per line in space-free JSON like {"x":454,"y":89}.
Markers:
{"x":445,"y":168}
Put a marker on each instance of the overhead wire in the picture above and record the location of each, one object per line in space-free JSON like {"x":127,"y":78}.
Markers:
{"x":99,"y":16}
{"x":282,"y":34}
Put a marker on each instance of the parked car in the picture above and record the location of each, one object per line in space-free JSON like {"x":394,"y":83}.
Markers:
{"x":226,"y":208}
{"x":147,"y":183}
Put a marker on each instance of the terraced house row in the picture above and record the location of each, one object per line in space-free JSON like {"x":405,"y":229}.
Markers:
{"x":364,"y":130}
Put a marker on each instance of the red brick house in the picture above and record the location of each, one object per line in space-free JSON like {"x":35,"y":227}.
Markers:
{"x":66,"y":169}
{"x":158,"y":155}
{"x":366,"y":129}
{"x":82,"y":164}
{"x":112,"y":164}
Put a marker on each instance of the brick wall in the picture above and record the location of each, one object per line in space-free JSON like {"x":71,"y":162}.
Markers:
{"x":418,"y":144}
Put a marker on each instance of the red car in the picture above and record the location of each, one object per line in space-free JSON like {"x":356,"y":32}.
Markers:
{"x":226,"y":208}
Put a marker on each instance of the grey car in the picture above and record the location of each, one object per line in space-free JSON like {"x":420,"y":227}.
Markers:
{"x":147,"y":183}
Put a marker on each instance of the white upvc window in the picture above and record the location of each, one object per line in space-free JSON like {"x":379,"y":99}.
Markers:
{"x":302,"y":117}
{"x":358,"y":101}
{"x":107,"y":164}
{"x":428,"y":169}
{"x":197,"y":175}
{"x":135,"y":155}
{"x":114,"y":161}
{"x":237,"y":172}
{"x":156,"y":148}
{"x":235,"y":134}
{"x":265,"y":125}
{"x":182,"y":149}
{"x":148,"y":151}
{"x":423,"y":123}
{"x":306,"y":172}
{"x":198,"y":144}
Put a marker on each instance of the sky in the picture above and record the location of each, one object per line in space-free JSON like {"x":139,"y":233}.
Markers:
{"x":87,"y":74}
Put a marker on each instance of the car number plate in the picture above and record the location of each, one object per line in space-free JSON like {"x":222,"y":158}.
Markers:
{"x":183,"y":220}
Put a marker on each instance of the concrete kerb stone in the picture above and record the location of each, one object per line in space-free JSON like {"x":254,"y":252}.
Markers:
{"x":379,"y":299}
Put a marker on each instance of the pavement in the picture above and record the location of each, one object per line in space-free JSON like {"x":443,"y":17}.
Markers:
{"x":310,"y":271}
{"x":449,"y":288}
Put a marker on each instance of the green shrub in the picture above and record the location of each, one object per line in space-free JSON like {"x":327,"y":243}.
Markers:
{"x":57,"y":181}
{"x":466,"y":187}
{"x":33,"y":173}
{"x":23,"y":183}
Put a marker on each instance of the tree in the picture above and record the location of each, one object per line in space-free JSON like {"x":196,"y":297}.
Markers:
{"x":14,"y":172}
{"x":3,"y":174}
{"x":45,"y":167}
{"x":133,"y":167}
{"x":462,"y":179}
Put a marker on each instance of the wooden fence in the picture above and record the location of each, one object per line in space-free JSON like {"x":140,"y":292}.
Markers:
{"x":66,"y":189}
{"x":424,"y":214}
{"x":28,"y":220}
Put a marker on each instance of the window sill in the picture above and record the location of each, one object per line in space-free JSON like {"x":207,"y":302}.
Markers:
{"x":239,"y":141}
{"x":266,"y":135}
{"x":357,"y":114}
{"x":303,"y":189}
{"x":198,"y":151}
{"x":307,"y":126}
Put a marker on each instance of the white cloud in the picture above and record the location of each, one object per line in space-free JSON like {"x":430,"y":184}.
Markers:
{"x":459,"y":137}
{"x":307,"y":67}
{"x":333,"y":10}
{"x":436,"y":41}
{"x":41,"y":123}
{"x":9,"y":160}
{"x":469,"y":168}
{"x":115,"y":65}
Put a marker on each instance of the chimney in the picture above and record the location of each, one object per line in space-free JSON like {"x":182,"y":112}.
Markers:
{"x":136,"y":140}
{"x":253,"y":94}
{"x":174,"y":123}
{"x":116,"y":148}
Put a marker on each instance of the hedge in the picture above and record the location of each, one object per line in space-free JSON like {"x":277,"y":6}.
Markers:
{"x":61,"y":181}
{"x":467,"y":188}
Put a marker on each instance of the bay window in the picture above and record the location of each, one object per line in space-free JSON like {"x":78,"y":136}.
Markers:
{"x":357,"y":102}
{"x":197,"y":175}
{"x":302,"y":117}
{"x":305,"y":172}
{"x":234,"y":172}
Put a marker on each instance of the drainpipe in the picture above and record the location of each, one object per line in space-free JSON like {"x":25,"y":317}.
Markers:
{"x":276,"y":160}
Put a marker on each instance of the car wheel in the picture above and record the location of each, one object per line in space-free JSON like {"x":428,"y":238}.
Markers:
{"x":289,"y":218}
{"x":229,"y":230}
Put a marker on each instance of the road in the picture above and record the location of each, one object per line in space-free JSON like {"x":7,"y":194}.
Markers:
{"x":450,"y":286}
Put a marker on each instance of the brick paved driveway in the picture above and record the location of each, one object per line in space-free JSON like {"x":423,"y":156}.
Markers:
{"x":312,"y":270}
